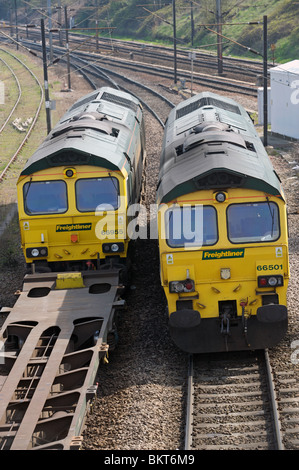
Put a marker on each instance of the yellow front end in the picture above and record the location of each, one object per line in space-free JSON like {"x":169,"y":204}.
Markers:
{"x":219,"y":285}
{"x":72,"y":216}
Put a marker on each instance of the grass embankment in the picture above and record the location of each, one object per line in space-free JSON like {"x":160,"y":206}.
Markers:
{"x":153,"y":23}
{"x":11,"y":138}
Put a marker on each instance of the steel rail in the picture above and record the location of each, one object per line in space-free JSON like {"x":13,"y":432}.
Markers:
{"x":189,"y":408}
{"x":251,"y":398}
{"x":12,"y":159}
{"x":142,"y":48}
{"x":166,"y":55}
{"x":100,"y":72}
{"x":167,"y":72}
{"x":273,"y":398}
{"x":19,"y":92}
{"x":43,"y":422}
{"x":105,"y":73}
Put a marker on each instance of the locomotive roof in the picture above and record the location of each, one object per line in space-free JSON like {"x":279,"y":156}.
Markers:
{"x":210,"y":143}
{"x":96,"y":130}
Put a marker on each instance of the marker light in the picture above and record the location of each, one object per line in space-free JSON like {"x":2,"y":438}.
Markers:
{"x":189,"y":286}
{"x":263,"y":282}
{"x":270,"y":281}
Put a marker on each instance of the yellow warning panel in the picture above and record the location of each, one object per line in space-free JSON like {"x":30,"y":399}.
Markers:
{"x":69,"y":281}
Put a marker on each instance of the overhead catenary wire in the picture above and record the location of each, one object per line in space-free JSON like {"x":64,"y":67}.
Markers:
{"x":235,"y":42}
{"x":232,"y":24}
{"x":265,"y":71}
{"x":205,"y":46}
{"x":18,"y":43}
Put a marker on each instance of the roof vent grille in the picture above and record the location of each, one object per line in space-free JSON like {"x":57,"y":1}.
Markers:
{"x":121,"y":101}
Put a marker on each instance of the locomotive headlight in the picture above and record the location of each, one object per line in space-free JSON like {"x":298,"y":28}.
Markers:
{"x":38,"y":252}
{"x":221,"y":196}
{"x":113,"y":247}
{"x":179,"y":287}
{"x":70,"y":173}
{"x":272,"y":281}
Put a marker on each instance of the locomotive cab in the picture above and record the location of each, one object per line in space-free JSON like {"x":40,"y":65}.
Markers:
{"x":74,"y":192}
{"x":222,"y":228}
{"x":225,"y":274}
{"x":77,"y":218}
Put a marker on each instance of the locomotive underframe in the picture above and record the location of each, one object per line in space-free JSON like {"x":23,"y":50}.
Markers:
{"x":194,"y":334}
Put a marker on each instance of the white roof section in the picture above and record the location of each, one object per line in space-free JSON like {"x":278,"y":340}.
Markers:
{"x":290,"y":67}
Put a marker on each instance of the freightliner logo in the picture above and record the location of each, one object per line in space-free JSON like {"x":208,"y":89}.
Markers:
{"x":71,"y":227}
{"x":218,"y":254}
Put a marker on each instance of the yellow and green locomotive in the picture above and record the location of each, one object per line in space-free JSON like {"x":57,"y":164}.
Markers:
{"x":74,"y":191}
{"x":222,"y":225}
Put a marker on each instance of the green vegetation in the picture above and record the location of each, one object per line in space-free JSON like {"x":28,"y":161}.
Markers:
{"x":10,"y":137}
{"x":152,"y":21}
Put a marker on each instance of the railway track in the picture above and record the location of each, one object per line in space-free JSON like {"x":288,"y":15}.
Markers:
{"x":132,"y":86}
{"x":22,"y":132}
{"x":49,"y":364}
{"x":149,"y":53}
{"x":18,"y":97}
{"x":233,"y":404}
{"x":223,"y":83}
{"x":160,"y":55}
{"x":93,"y":72}
{"x":287,"y":393}
{"x":74,"y":439}
{"x":133,"y":46}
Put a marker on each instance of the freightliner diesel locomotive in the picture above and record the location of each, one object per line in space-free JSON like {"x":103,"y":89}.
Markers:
{"x":74,"y":191}
{"x":222,"y":230}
